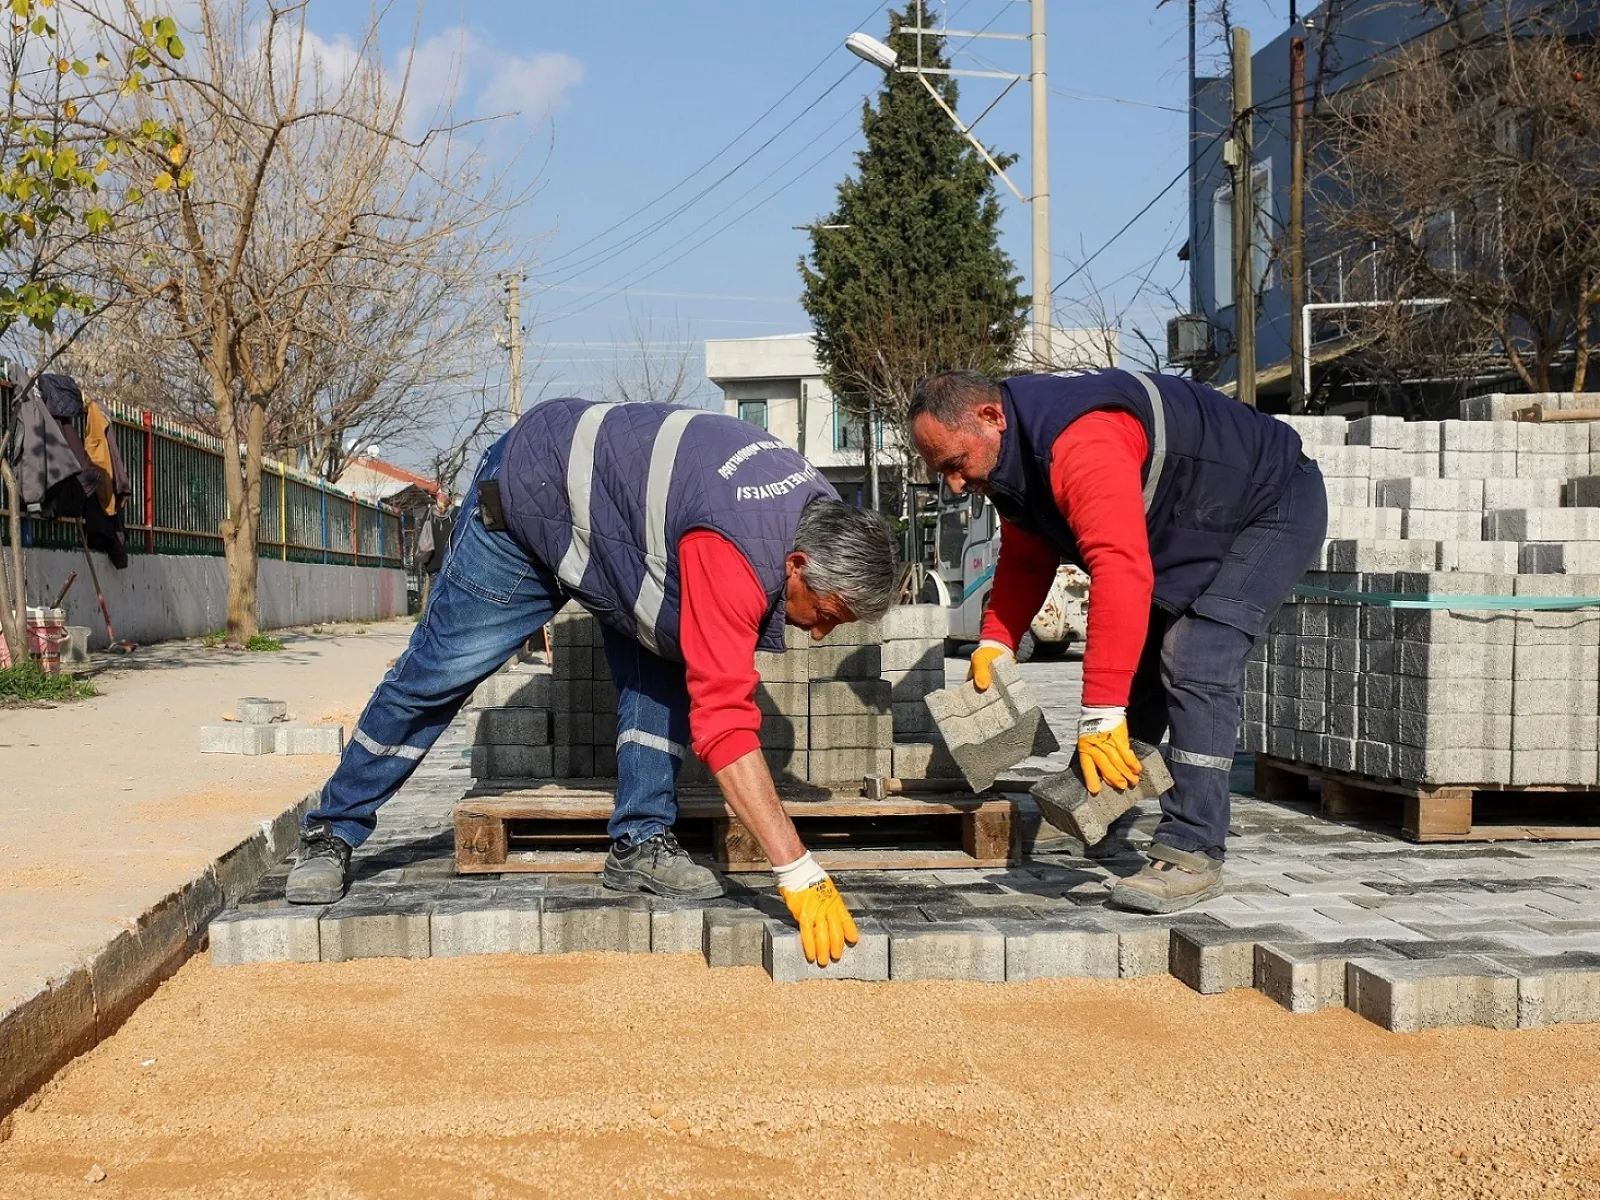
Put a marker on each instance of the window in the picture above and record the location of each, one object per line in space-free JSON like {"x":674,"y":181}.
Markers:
{"x":850,"y":429}
{"x":754,"y":411}
{"x":1222,"y":237}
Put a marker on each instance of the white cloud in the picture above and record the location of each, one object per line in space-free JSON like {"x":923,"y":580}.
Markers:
{"x":456,"y":68}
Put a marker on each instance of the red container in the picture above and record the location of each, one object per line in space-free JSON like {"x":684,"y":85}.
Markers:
{"x":47,"y":633}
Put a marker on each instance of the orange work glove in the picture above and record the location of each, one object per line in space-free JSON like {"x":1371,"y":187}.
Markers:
{"x":1103,"y":749}
{"x":981,"y":669}
{"x":826,"y":926}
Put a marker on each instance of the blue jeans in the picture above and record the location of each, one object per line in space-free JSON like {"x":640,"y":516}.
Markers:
{"x":489,"y":598}
{"x":1190,"y":679}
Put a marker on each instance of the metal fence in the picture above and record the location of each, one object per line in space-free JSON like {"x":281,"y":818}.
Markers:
{"x":179,"y":500}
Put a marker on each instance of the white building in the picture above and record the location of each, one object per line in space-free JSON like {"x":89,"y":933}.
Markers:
{"x":776,"y":383}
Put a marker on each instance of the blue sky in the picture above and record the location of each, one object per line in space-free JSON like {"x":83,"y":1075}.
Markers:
{"x":623,"y":100}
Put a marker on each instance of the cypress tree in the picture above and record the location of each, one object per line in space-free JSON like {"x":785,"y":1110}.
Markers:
{"x":916,"y":281}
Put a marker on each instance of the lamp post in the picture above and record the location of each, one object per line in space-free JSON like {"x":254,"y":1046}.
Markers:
{"x":884,"y":57}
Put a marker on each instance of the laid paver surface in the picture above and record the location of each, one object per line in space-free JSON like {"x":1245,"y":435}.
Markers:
{"x":107,"y":805}
{"x":1293,"y":879}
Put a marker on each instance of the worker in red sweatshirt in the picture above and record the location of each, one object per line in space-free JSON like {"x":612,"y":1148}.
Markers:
{"x":694,"y":539}
{"x":1194,"y":516}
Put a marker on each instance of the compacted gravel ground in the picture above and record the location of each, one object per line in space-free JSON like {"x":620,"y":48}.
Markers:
{"x":595,"y":1075}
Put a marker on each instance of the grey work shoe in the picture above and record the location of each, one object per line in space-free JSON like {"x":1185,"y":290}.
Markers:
{"x":1172,"y":880}
{"x":661,"y":866}
{"x":321,"y":868}
{"x":1067,"y":803}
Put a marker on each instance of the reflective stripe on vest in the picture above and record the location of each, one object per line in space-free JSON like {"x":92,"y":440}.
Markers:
{"x":653,"y":587}
{"x":658,"y":485}
{"x":1158,"y":451}
{"x":580,"y":484}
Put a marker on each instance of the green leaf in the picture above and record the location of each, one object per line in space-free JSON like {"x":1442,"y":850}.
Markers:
{"x":186,"y":178}
{"x":20,"y":9}
{"x":98,"y":220}
{"x":174,"y":47}
{"x":166,"y":27}
{"x":80,"y":68}
{"x":163,"y":182}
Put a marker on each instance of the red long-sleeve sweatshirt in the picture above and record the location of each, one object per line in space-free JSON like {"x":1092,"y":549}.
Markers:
{"x":1095,"y":468}
{"x":722,"y":607}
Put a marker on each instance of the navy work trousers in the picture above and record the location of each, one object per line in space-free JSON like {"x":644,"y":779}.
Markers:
{"x":1190,"y":680}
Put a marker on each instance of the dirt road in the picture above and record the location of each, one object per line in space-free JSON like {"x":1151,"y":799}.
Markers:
{"x":594,"y":1076}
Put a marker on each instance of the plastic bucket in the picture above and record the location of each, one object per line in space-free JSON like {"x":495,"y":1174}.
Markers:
{"x":47,"y":633}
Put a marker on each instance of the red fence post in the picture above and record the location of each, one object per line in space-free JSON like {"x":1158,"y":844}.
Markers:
{"x":149,"y":484}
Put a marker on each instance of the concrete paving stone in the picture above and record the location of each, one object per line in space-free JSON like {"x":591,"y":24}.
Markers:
{"x":356,"y":928}
{"x":238,"y":739}
{"x":677,"y":927}
{"x":514,"y":689}
{"x":928,"y":622}
{"x":572,"y":926}
{"x":508,"y":726}
{"x":1308,"y":976}
{"x":1447,"y":947}
{"x":516,"y":762}
{"x":497,"y":925}
{"x":733,"y":937}
{"x":256,"y":710}
{"x":972,"y":950}
{"x":958,"y":910}
{"x":1073,"y":947}
{"x":784,"y":958}
{"x":845,"y":662}
{"x":287,"y":933}
{"x":1555,"y":989}
{"x":1410,"y":995}
{"x":1216,"y":960}
{"x":308,"y":739}
{"x":848,"y":697}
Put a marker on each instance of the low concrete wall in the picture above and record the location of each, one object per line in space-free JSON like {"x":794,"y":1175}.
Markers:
{"x":163,"y":596}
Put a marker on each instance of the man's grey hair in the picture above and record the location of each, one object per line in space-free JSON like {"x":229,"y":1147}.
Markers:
{"x":850,"y":553}
{"x":950,"y":396}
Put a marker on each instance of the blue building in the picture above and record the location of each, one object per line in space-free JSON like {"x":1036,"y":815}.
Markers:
{"x":1345,"y":43}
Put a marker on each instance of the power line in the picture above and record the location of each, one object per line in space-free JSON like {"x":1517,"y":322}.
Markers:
{"x":653,"y":201}
{"x":1156,"y":199}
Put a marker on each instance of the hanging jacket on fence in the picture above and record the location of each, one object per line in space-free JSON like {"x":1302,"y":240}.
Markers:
{"x":41,"y":454}
{"x":59,"y":477}
{"x":100,"y":441}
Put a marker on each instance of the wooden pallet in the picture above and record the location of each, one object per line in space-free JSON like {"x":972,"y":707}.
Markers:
{"x":559,"y":827}
{"x":1429,"y":812}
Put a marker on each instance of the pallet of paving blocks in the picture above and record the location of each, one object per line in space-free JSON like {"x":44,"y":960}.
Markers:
{"x":1442,"y":660}
{"x":832,"y":711}
{"x":562,"y":827}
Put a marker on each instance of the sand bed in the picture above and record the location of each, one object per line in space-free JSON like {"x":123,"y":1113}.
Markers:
{"x":593,"y":1075}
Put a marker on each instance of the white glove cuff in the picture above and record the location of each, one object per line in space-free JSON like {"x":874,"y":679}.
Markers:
{"x":800,"y":874}
{"x":1100,"y":720}
{"x":991,"y":644}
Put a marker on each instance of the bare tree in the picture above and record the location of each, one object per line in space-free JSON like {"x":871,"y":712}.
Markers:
{"x":1468,"y":174}
{"x":654,"y":364}
{"x":290,"y":191}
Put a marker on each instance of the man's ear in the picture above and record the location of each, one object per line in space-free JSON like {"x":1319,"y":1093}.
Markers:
{"x":992,"y":412}
{"x":794,"y":563}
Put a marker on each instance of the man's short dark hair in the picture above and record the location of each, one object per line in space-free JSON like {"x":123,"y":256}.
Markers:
{"x":950,"y":396}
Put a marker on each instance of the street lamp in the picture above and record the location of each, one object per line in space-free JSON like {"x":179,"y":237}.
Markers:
{"x":871,"y":50}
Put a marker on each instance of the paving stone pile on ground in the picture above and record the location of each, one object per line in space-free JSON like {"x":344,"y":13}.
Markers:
{"x":1466,"y":508}
{"x":1317,"y":913}
{"x":848,"y":706}
{"x":262,"y":726}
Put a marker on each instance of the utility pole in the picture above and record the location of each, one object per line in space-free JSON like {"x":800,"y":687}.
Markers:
{"x":1244,"y":220}
{"x":513,"y":287}
{"x":1297,"y":217}
{"x":1043,"y":322}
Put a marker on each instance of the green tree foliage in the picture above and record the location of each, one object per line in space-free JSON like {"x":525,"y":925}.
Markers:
{"x":915,"y":281}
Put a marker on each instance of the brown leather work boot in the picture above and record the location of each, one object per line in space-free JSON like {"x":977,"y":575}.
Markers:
{"x":1172,"y":880}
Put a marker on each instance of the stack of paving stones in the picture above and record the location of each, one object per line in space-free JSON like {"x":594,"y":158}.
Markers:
{"x":1482,"y":506}
{"x":262,"y":726}
{"x":832,"y":711}
{"x":1316,"y":915}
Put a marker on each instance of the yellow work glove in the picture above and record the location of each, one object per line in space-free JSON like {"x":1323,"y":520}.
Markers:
{"x":826,"y":926}
{"x":1103,"y":749}
{"x":981,"y":669}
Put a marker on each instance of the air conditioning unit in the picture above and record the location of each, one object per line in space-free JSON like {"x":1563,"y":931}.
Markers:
{"x":1188,"y":340}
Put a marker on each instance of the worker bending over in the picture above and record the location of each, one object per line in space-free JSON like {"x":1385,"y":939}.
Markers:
{"x":1194,"y":517}
{"x":693,"y":537}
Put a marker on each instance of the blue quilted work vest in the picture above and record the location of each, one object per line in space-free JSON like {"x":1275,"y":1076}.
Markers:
{"x":1213,"y":466}
{"x":602,"y":493}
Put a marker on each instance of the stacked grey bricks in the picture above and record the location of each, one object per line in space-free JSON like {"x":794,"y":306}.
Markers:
{"x":1482,"y":506}
{"x":261,"y":726}
{"x":831,"y":711}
